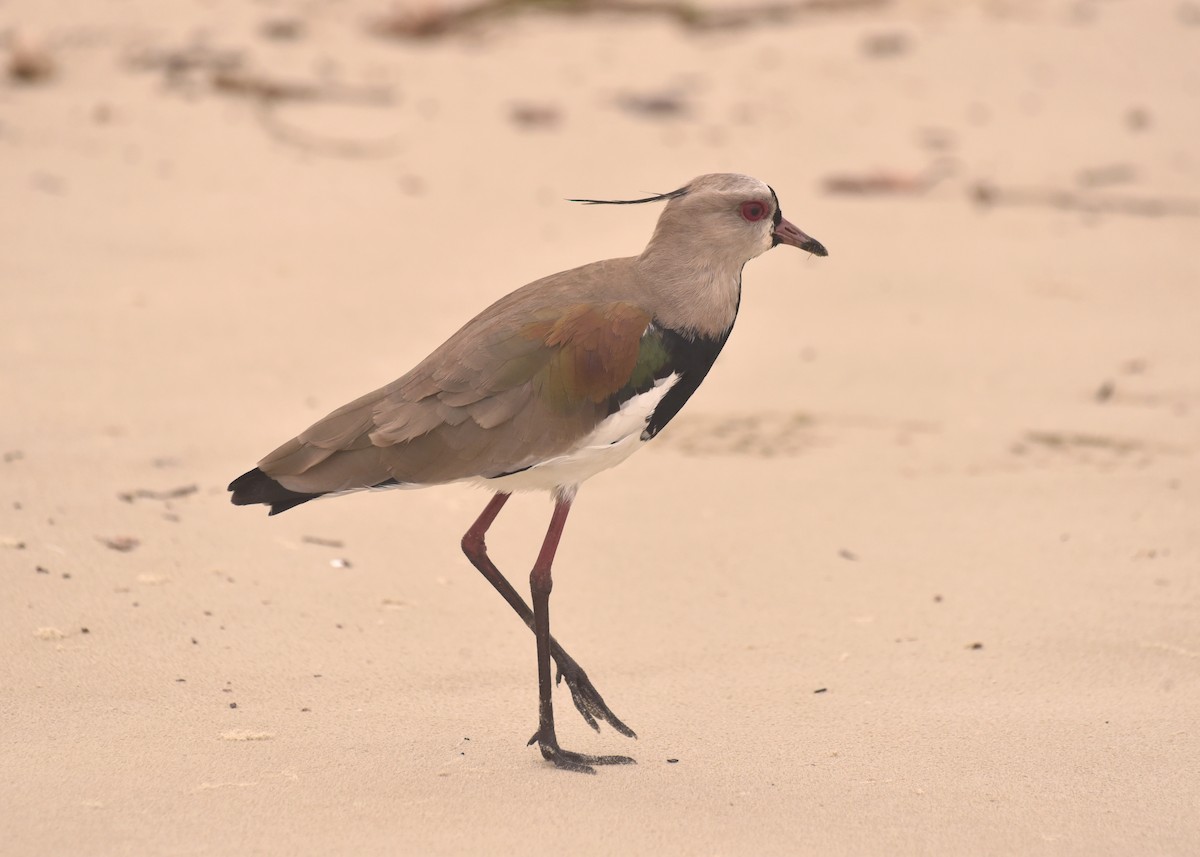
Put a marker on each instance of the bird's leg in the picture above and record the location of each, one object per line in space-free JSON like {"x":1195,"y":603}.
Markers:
{"x":586,"y":698}
{"x":540,"y":584}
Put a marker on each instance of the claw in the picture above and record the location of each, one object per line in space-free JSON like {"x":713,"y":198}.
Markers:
{"x":567,"y":765}
{"x":586,"y":698}
{"x":582,"y":708}
{"x":580,"y":763}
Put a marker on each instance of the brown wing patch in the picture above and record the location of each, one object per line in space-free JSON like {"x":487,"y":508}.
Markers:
{"x":593,"y":350}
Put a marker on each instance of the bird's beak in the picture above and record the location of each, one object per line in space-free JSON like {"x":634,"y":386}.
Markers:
{"x":787,"y":233}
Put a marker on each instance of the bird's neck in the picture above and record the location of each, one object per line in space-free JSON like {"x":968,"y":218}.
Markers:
{"x":694,"y":291}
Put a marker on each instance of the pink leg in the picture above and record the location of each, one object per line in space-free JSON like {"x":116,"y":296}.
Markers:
{"x":585,"y":696}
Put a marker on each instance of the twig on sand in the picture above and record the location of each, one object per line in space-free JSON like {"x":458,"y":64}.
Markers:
{"x":889,"y":182}
{"x":261,"y":87}
{"x":225,"y":72}
{"x":883,"y":183}
{"x":180,"y":66}
{"x":269,"y":92}
{"x":309,"y":141}
{"x":987,"y":195}
{"x":436,"y":21}
{"x":148,"y":494}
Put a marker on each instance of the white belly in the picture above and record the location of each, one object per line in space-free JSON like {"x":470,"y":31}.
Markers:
{"x":610,"y":443}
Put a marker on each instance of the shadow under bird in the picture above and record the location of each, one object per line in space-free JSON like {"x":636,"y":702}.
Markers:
{"x":550,"y":385}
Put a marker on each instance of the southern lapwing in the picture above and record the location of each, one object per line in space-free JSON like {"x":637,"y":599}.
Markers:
{"x":550,"y":385}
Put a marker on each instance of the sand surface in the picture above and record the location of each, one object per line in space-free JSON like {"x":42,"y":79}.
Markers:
{"x":917,"y":571}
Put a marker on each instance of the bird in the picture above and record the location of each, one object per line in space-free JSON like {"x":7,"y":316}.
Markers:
{"x":553,"y":383}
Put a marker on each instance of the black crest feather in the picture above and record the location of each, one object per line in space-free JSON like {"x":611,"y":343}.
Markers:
{"x":660,"y":197}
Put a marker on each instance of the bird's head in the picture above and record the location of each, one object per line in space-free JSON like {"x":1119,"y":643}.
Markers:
{"x":733,"y":214}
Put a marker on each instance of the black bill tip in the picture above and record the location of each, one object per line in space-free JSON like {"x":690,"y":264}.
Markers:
{"x":787,"y":233}
{"x":812,"y":245}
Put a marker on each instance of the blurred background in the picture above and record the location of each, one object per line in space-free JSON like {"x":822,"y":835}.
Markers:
{"x":961,"y":454}
{"x":209,"y":188}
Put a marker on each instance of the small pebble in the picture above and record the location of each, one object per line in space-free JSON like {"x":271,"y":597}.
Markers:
{"x":122,"y":544}
{"x":535,"y":115}
{"x":29,"y":61}
{"x":282,"y":29}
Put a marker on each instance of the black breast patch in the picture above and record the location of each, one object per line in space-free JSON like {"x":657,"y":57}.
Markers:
{"x":665,"y":352}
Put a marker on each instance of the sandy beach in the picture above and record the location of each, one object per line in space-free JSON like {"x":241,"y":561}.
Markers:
{"x":916,"y":571}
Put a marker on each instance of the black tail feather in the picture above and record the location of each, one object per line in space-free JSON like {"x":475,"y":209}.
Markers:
{"x":254,"y":486}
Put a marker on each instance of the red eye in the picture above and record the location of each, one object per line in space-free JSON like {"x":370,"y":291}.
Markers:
{"x":753,"y":211}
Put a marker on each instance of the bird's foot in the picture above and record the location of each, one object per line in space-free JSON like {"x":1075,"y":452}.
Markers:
{"x":588,"y":701}
{"x":580,"y":763}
